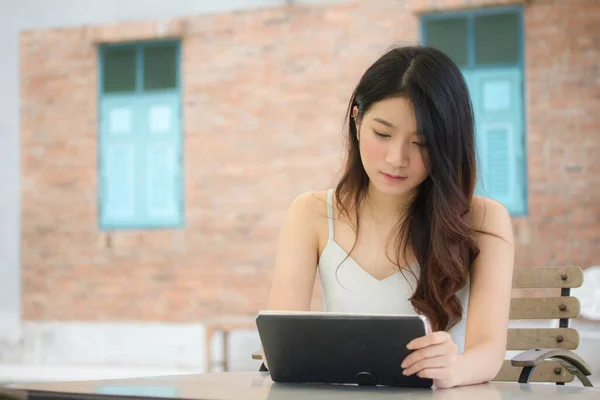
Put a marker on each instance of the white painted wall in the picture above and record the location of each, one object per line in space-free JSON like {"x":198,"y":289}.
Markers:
{"x":88,"y":350}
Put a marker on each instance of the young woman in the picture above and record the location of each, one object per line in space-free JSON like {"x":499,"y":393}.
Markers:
{"x":402,"y":231}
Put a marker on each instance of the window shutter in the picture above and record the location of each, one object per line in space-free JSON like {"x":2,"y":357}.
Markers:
{"x":117,"y":163}
{"x":498,"y":103}
{"x":469,"y":76}
{"x":163,"y":203}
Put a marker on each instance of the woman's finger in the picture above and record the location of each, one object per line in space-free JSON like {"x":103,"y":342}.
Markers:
{"x":427,"y":352}
{"x":429,"y":340}
{"x":428,"y":363}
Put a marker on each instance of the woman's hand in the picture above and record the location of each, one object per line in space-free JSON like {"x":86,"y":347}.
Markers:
{"x":434,"y":357}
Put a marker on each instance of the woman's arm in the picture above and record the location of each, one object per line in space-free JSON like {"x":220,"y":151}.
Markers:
{"x":296,"y":258}
{"x":490,"y":294}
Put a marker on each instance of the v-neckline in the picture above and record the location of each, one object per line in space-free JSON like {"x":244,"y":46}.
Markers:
{"x":357,"y":265}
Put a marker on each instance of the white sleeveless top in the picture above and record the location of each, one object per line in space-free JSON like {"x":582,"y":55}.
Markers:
{"x":346,"y":287}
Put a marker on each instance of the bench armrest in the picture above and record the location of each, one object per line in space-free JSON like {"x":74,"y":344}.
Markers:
{"x":569,"y":360}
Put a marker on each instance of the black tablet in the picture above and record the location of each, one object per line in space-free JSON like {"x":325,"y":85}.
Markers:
{"x":339,"y":348}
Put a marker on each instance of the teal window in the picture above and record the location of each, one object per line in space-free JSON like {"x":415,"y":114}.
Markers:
{"x":488,"y":47}
{"x":140,"y":136}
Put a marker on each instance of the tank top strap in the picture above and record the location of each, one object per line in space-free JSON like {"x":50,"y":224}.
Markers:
{"x":330,"y":212}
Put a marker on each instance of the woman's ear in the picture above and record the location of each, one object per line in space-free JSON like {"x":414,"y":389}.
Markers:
{"x":356,"y":121}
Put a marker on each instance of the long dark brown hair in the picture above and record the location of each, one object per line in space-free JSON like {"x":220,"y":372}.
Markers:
{"x":434,"y":225}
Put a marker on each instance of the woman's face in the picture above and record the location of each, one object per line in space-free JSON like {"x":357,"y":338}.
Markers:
{"x":390,"y":149}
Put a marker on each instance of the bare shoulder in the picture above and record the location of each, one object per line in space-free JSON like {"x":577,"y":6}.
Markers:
{"x":308,"y":214}
{"x":490,"y":216}
{"x":309,"y":210}
{"x":310,"y":204}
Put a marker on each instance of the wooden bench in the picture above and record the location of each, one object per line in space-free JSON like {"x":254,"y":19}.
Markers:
{"x":548,"y":355}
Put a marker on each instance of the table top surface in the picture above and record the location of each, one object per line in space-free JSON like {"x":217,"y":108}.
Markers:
{"x":258,"y":385}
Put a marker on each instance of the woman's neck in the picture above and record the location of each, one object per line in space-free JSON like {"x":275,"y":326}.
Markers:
{"x":381,"y":214}
{"x":382,"y":208}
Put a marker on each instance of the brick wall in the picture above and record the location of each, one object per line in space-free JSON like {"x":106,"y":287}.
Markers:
{"x":264,"y":98}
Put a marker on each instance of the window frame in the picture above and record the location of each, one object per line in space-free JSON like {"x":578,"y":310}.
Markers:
{"x":470,"y":15}
{"x":139,"y":70}
{"x":140,"y":93}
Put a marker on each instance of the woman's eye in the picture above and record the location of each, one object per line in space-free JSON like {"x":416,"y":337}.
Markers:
{"x":420,"y":144}
{"x":381,"y":134}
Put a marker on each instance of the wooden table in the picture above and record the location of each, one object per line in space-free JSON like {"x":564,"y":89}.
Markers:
{"x":258,"y":385}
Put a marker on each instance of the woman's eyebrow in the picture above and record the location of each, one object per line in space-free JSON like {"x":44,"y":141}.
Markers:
{"x":384,"y":122}
{"x":389,"y":124}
